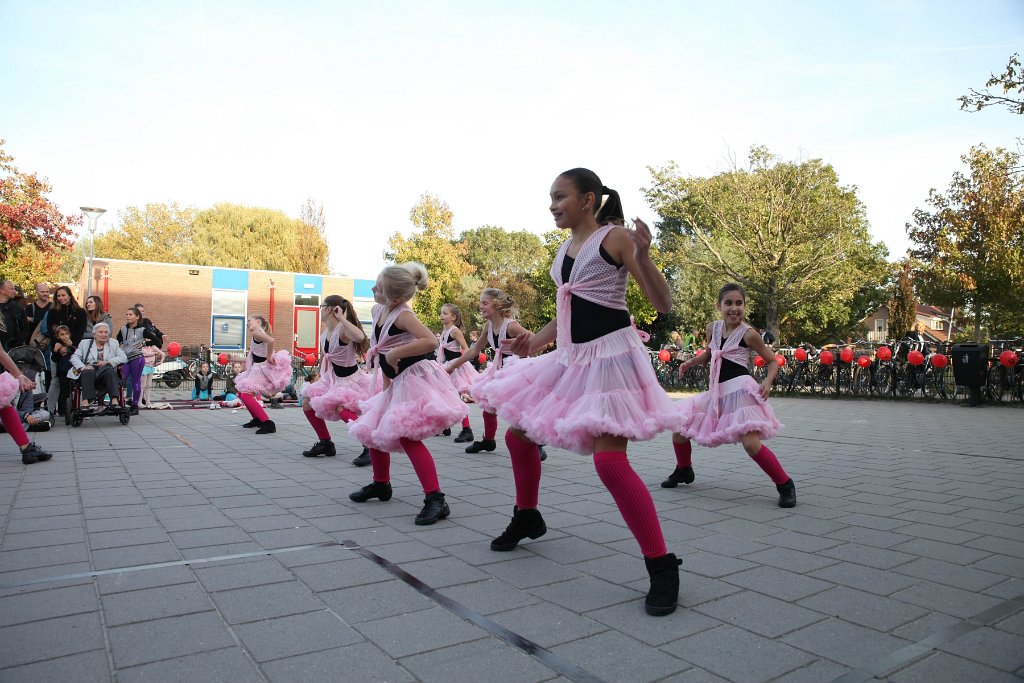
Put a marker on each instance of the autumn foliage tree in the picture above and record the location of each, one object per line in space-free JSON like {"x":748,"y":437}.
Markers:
{"x":902,"y":306}
{"x":35,"y":234}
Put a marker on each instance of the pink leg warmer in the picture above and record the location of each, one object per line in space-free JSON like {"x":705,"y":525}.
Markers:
{"x":465,"y":422}
{"x":683,"y":454}
{"x":12,"y":423}
{"x":381,"y":463}
{"x":525,"y":470}
{"x":319,"y":426}
{"x":347,"y":415}
{"x":253,"y":406}
{"x":423,"y":463}
{"x":767,"y":461}
{"x":490,"y":425}
{"x":634,"y":501}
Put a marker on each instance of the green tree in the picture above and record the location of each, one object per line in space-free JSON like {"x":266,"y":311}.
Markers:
{"x":971,"y":244}
{"x":34,"y":234}
{"x":506,"y":260}
{"x":787,"y":231}
{"x":1010,"y":83}
{"x":156,"y":232}
{"x":314,"y":254}
{"x":433,"y":244}
{"x":902,"y":305}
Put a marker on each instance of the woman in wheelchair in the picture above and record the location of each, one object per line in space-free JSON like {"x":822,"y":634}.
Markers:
{"x":95,"y":364}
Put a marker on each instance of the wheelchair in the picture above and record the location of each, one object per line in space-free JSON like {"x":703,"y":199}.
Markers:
{"x":75,"y":414}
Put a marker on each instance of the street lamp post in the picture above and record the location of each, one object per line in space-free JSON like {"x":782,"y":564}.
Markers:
{"x":94,"y":215}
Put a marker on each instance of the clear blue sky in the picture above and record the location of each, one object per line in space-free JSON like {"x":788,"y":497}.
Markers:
{"x":366,"y":105}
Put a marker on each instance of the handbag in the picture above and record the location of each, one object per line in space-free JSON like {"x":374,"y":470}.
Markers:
{"x":39,"y":336}
{"x":74,"y":372}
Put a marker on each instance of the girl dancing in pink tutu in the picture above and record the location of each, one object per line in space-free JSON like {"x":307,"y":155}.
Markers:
{"x":342,"y":383}
{"x":597,"y":390}
{"x":734,"y":408}
{"x":265,"y":372}
{"x":452,"y":345}
{"x":417,"y":400}
{"x":498,"y":309}
{"x":12,"y":383}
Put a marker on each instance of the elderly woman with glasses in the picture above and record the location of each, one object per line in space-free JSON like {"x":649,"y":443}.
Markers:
{"x":95,"y":362}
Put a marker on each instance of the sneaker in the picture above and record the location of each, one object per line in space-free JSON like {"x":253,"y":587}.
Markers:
{"x":267,"y":427}
{"x":787,"y":494}
{"x":485,"y":445}
{"x":324,"y":447}
{"x":525,"y":524}
{"x":664,"y":593}
{"x":434,"y":508}
{"x":276,"y":404}
{"x":252,"y":423}
{"x":465,"y":436}
{"x":680,"y":475}
{"x":378,"y":489}
{"x":214,"y":406}
{"x":363,"y":459}
{"x":33,"y":453}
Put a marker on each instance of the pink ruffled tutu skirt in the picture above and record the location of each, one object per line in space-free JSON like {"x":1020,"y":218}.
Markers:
{"x":420,"y":402}
{"x":740,"y":410}
{"x":264,"y":378}
{"x":330,"y":394}
{"x":479,"y":389}
{"x":9,"y":388}
{"x":464,"y":377}
{"x":568,"y":397}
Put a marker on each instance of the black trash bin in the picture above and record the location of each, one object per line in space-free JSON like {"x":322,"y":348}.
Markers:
{"x":970,"y":367}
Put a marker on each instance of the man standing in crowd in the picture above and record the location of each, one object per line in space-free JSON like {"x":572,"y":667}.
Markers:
{"x":14,"y":315}
{"x":34,"y":313}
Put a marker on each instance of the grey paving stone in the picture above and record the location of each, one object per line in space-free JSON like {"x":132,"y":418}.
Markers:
{"x":937,"y":550}
{"x":352,"y":571}
{"x":485,"y":659}
{"x":219,"y":666}
{"x":488,"y":596}
{"x":151,"y":641}
{"x":139,"y":580}
{"x":844,"y":642}
{"x":209,"y":537}
{"x":947,"y":599}
{"x":738,"y":655}
{"x":944,"y":667}
{"x":712,"y":564}
{"x":362,"y":663}
{"x":778,"y":583}
{"x":618,"y":657}
{"x":420,"y":631}
{"x":243,"y":605}
{"x":242,"y":574}
{"x":865,"y":609}
{"x":120,"y":523}
{"x":814,"y":672}
{"x":759,"y":613}
{"x":865,"y":578}
{"x":991,"y":647}
{"x":36,"y":641}
{"x":43,"y":558}
{"x":133,"y":556}
{"x":530,"y":571}
{"x":17,"y":526}
{"x":548,"y":625}
{"x":61,"y":601}
{"x":88,"y":666}
{"x":127,"y":537}
{"x":296,"y":635}
{"x":630,"y":618}
{"x":951,"y":574}
{"x":42,"y":539}
{"x":155,"y":603}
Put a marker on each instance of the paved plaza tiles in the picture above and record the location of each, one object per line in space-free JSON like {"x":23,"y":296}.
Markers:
{"x":184,"y":548}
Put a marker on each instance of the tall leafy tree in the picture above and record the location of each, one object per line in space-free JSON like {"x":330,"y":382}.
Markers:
{"x":34,"y":235}
{"x":155,"y":232}
{"x":902,"y":305}
{"x":971,"y":243}
{"x":787,"y":231}
{"x":506,"y":259}
{"x":433,"y":244}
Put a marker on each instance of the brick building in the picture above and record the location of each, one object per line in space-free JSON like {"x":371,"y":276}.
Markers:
{"x":204,"y":305}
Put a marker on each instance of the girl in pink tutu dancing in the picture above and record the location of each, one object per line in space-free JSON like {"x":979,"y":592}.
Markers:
{"x":452,"y":345}
{"x":12,"y":383}
{"x":734,"y":408}
{"x":342,"y":383}
{"x":265,"y":372}
{"x":498,"y":309}
{"x":417,"y":400}
{"x":597,"y":390}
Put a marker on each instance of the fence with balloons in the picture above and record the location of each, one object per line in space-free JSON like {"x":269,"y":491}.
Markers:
{"x":895,"y":370}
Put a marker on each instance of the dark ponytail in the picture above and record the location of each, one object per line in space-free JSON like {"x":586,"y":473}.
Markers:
{"x":586,"y":181}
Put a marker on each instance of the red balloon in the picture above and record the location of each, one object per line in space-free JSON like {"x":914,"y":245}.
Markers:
{"x":801,"y":355}
{"x":174,"y":349}
{"x":780,"y":359}
{"x":223,"y":358}
{"x":758,"y":361}
{"x":884,"y":353}
{"x":863,"y":361}
{"x":1008,"y":358}
{"x":846,"y":355}
{"x":310,"y":359}
{"x":664,"y":356}
{"x":482,"y":358}
{"x":939,"y":361}
{"x":915,"y":358}
{"x":826,"y":358}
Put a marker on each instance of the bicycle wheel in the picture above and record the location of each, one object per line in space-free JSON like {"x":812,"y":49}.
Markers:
{"x":906,"y":385}
{"x":996,"y":386}
{"x":824,"y":383}
{"x":862,"y":384}
{"x":883,"y":385}
{"x":930,"y":384}
{"x":947,"y":384}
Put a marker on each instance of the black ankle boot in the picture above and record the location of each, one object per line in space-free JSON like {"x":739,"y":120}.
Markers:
{"x":525,"y":524}
{"x":485,"y":445}
{"x":267,"y":427}
{"x":787,"y":494}
{"x":434,"y":508}
{"x":664,"y":594}
{"x":252,"y":423}
{"x":465,"y":436}
{"x":377,"y":489}
{"x":363,"y":459}
{"x":324,"y":447}
{"x":447,"y":431}
{"x":680,"y":475}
